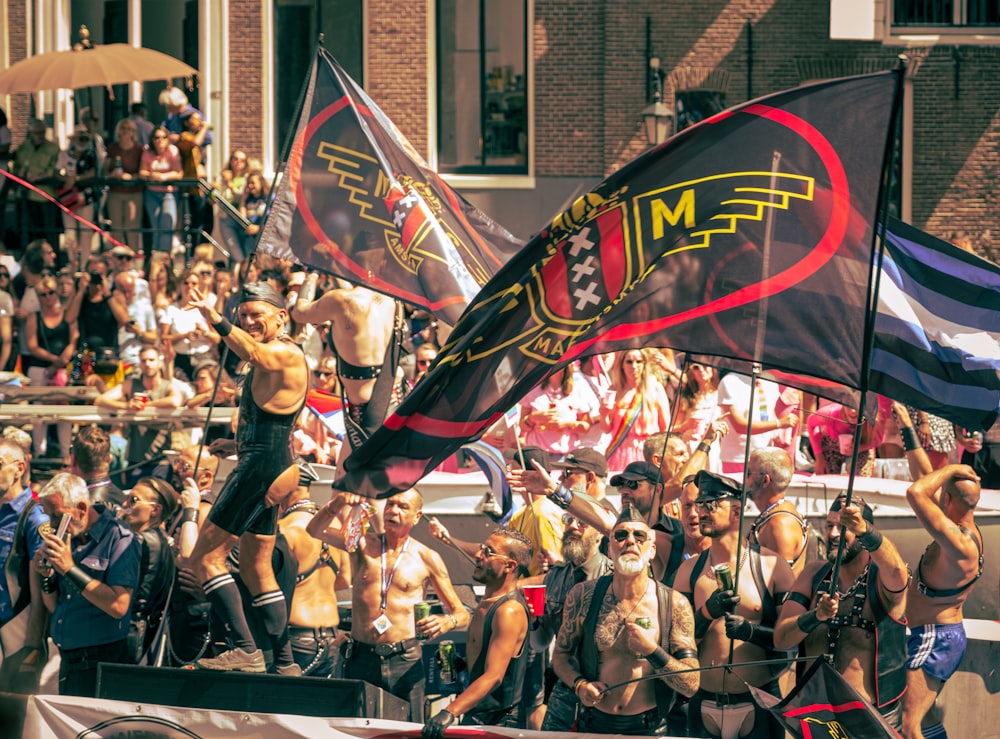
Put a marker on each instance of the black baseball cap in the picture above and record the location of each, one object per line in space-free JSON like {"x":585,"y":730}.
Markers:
{"x":584,"y":458}
{"x":638,"y":471}
{"x":531,"y":453}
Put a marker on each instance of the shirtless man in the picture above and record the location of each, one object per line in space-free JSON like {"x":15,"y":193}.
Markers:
{"x":867,"y":635}
{"x":363,"y":324}
{"x":779,"y":526}
{"x":496,"y":648}
{"x":945,"y":501}
{"x":390,"y":571}
{"x":600,"y":644}
{"x":314,"y":616}
{"x":246,"y":509}
{"x":724,"y":619}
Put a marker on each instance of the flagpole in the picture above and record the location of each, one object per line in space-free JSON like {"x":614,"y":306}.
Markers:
{"x":871,"y":307}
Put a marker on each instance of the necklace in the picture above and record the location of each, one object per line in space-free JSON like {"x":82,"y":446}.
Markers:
{"x":621,"y":626}
{"x":861,"y":579}
{"x":711,"y":563}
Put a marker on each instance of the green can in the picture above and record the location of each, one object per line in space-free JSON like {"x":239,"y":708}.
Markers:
{"x":446,"y":662}
{"x":643,"y":622}
{"x":421,"y":610}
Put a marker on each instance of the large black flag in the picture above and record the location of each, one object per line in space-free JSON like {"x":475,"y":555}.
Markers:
{"x":746,"y":236}
{"x":357,"y":200}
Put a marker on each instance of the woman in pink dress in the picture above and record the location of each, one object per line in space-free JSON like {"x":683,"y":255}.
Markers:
{"x":557,"y":413}
{"x":636,"y":408}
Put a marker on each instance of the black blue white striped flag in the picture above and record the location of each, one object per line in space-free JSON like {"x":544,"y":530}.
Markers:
{"x":937,"y":331}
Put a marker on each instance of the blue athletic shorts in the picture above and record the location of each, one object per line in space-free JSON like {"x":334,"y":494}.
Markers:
{"x":937,"y":649}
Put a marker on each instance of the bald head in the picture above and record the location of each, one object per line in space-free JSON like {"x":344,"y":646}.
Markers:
{"x":963,"y":492}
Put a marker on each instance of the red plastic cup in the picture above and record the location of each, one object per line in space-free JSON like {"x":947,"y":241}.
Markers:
{"x":535,"y":595}
{"x":143,"y":398}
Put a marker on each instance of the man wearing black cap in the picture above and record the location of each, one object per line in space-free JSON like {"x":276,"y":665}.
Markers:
{"x":867,"y":635}
{"x":621,"y":627}
{"x":273,"y":395}
{"x":727,"y":619}
{"x":584,"y":470}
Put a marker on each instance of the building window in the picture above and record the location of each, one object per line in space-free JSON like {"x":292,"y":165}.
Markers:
{"x":482,"y":62}
{"x":692,"y":106}
{"x":936,"y":13}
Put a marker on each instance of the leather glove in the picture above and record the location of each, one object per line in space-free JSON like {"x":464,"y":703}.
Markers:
{"x":737,"y":627}
{"x":721,"y":602}
{"x":435,"y":726}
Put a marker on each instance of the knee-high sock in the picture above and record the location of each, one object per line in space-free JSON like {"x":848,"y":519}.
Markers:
{"x":935,"y":732}
{"x":273,"y":612}
{"x":224,"y":596}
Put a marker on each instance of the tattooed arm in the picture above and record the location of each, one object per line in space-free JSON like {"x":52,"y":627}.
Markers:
{"x":565,"y":658}
{"x":682,"y":638}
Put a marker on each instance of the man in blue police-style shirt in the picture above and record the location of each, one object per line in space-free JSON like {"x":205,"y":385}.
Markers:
{"x":87,"y":583}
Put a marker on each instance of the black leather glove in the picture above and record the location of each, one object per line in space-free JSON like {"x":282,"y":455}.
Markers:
{"x":721,"y":602}
{"x":737,"y":627}
{"x":435,"y":726}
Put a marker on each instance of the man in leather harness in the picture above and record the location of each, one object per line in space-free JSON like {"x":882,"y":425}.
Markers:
{"x":866,"y":637}
{"x":779,"y":526}
{"x":601,"y":645}
{"x":246,"y":509}
{"x":390,"y":572}
{"x":365,"y":333}
{"x":944,"y":501}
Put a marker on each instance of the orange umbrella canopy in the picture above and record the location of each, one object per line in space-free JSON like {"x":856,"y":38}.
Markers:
{"x":101,"y":66}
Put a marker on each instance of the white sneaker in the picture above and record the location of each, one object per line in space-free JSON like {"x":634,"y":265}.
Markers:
{"x":235,"y":660}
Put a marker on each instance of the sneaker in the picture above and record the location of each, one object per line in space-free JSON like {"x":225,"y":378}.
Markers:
{"x":236,"y":660}
{"x":292,"y":670}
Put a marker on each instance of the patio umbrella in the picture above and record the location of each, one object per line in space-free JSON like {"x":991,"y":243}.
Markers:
{"x":101,"y":66}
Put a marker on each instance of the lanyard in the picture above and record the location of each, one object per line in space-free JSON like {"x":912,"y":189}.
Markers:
{"x":387,"y":580}
{"x":765,"y":414}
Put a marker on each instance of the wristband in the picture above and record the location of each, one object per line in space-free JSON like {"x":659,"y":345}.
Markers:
{"x":223,"y":328}
{"x":910,"y":440}
{"x":686,"y":653}
{"x":658,"y":658}
{"x":870,"y":540}
{"x":189,"y":515}
{"x":454,"y":621}
{"x":808,"y":622}
{"x":561,"y":497}
{"x":577,"y":683}
{"x":78,"y":577}
{"x":705,"y":447}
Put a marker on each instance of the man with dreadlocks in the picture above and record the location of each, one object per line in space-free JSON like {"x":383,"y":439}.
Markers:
{"x":246,"y":508}
{"x":861,"y":622}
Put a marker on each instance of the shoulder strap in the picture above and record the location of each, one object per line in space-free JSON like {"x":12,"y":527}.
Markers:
{"x":675,"y":559}
{"x":18,"y":556}
{"x":699,"y":565}
{"x":588,"y":645}
{"x":665,"y":598}
{"x":769,"y":610}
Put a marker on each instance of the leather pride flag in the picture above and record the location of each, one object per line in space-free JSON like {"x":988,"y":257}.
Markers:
{"x":747,"y":236}
{"x":357,"y":201}
{"x":823,"y":705}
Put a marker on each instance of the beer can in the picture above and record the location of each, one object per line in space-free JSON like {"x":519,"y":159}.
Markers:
{"x":723,"y":576}
{"x":643,"y":622}
{"x":421,"y":610}
{"x":446,"y":662}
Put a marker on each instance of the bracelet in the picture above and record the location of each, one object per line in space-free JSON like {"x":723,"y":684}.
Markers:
{"x":223,"y":328}
{"x":454,"y":621}
{"x":870,"y":540}
{"x":577,"y":683}
{"x":658,"y":658}
{"x":561,"y":496}
{"x":705,"y":447}
{"x":911,"y":442}
{"x":808,"y":622}
{"x":189,"y":515}
{"x":78,"y":577}
{"x":686,"y":653}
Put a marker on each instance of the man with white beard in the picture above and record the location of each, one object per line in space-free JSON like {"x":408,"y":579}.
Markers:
{"x":622,"y":627}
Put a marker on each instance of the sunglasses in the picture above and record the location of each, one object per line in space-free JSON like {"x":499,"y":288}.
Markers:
{"x":424,"y":362}
{"x":123,"y":257}
{"x":570,"y":521}
{"x":630,"y":484}
{"x":711,"y":506}
{"x":4,"y":274}
{"x":489,"y":552}
{"x":322,"y":374}
{"x":48,"y":294}
{"x":623,"y":535}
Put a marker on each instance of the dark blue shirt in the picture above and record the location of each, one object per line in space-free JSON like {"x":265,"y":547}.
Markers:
{"x":9,"y":513}
{"x":174,"y":123}
{"x":111,"y":554}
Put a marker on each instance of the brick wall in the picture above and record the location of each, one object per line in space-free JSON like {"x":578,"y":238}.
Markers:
{"x":246,"y":76}
{"x":17,"y":42}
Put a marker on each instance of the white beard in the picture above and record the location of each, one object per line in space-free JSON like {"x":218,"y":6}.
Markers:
{"x":629,"y":564}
